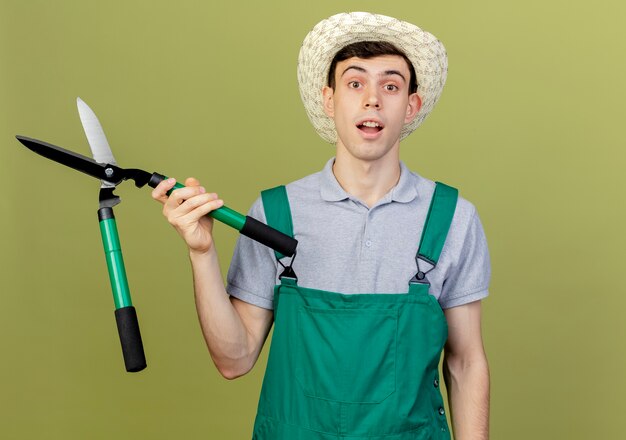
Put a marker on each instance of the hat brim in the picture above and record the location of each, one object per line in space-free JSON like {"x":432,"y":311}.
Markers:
{"x":424,"y":50}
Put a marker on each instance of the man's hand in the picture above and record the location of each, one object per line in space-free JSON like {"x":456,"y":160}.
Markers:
{"x":186,"y":209}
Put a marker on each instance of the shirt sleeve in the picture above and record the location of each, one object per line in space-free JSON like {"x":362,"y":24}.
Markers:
{"x":253,"y":270}
{"x":469,"y":274}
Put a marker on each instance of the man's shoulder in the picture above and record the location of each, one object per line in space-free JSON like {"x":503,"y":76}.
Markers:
{"x":305,"y":190}
{"x":297,"y":190}
{"x":305,"y":184}
{"x":464,"y":211}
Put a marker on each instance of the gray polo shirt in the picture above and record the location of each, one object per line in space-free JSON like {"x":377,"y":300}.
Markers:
{"x":346,"y":247}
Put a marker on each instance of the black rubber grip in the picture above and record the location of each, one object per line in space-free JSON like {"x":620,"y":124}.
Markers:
{"x":130,"y":337}
{"x":155,"y":179}
{"x":268,"y":236}
{"x":105,"y":213}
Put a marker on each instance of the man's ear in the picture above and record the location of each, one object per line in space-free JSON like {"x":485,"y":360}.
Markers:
{"x":414,"y":106}
{"x":329,"y":104}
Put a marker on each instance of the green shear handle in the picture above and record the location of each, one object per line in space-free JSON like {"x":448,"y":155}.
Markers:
{"x":125,"y":314}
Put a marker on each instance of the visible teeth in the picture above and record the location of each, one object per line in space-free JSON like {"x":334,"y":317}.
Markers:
{"x":370,"y":124}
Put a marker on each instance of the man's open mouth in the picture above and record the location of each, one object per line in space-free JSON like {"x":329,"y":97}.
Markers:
{"x":370,"y":127}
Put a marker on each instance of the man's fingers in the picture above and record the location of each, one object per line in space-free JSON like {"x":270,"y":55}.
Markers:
{"x":192,"y":181}
{"x":178,"y":196}
{"x":183,"y":201}
{"x":160,"y":192}
{"x":187,"y":205}
{"x":198,"y":200}
{"x":200,"y":211}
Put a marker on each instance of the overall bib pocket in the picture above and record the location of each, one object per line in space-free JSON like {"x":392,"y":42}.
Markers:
{"x":347,"y":355}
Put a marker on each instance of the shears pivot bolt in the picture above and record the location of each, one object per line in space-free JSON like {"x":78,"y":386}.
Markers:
{"x":108,"y":172}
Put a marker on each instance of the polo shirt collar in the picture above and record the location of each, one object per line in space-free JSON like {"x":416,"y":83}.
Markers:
{"x":405,"y":190}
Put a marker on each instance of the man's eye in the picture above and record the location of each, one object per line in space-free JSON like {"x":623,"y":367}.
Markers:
{"x":391,"y":87}
{"x":354,"y":84}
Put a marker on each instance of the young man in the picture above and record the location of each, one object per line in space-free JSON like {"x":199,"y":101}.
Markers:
{"x":359,"y":325}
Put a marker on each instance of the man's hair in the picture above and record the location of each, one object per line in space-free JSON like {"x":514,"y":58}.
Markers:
{"x":366,"y":50}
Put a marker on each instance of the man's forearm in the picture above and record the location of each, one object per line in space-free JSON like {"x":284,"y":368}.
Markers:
{"x":468,"y":395}
{"x":224,"y":332}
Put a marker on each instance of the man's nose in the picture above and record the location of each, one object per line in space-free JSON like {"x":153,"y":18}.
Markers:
{"x":371,"y":100}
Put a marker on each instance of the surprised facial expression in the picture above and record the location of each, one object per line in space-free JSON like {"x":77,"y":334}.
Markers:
{"x":370,"y":104}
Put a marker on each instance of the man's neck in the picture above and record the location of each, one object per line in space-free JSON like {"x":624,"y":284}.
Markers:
{"x":369,"y":181}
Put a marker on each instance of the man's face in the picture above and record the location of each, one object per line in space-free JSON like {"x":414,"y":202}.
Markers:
{"x":370,"y":104}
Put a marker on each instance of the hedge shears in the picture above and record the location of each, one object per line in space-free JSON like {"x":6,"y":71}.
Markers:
{"x":103,"y":166}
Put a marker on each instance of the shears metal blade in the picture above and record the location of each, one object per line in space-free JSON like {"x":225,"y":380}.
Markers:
{"x":96,"y":138}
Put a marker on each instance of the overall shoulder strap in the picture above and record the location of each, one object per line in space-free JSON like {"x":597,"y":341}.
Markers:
{"x":277,"y":211}
{"x":438,"y":220}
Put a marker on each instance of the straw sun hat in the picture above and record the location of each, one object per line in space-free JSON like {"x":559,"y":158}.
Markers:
{"x":425,"y":52}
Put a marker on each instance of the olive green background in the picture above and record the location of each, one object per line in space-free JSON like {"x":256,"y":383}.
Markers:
{"x":530,"y":127}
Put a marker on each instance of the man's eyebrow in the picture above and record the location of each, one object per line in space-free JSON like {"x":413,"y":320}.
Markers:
{"x":385,"y":73}
{"x":394,"y":72}
{"x":360,"y":69}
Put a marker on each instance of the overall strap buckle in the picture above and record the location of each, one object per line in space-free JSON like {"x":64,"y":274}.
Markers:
{"x":288,"y":271}
{"x":420,"y":276}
